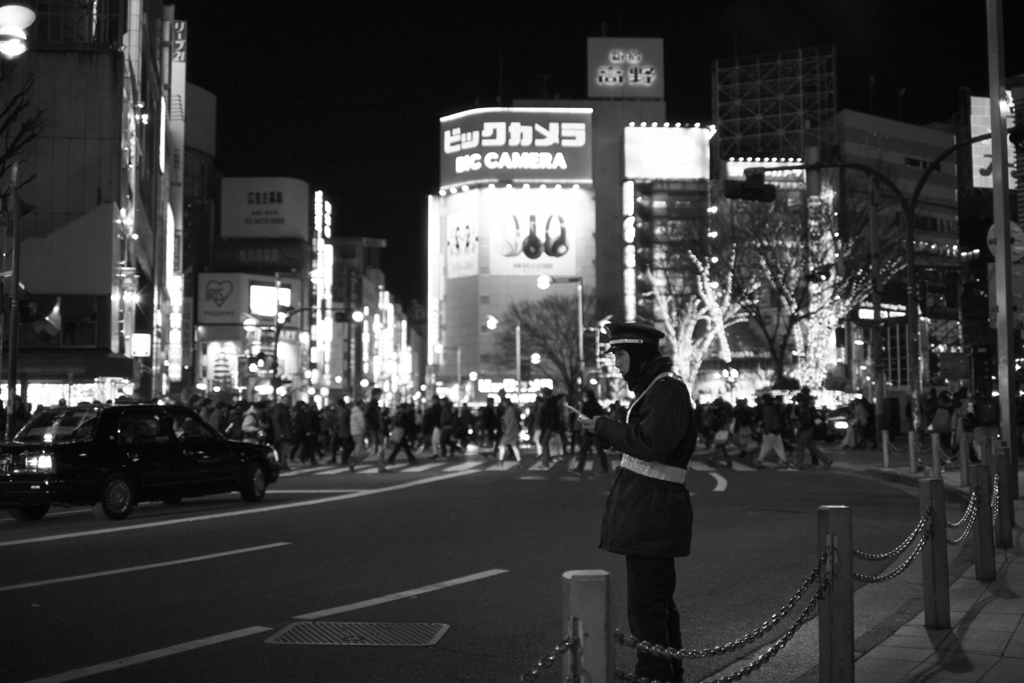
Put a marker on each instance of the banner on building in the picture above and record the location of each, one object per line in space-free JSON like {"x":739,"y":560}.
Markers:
{"x":523,"y":144}
{"x":538,"y":232}
{"x":630,"y":68}
{"x":265,"y":208}
{"x":667,"y":153}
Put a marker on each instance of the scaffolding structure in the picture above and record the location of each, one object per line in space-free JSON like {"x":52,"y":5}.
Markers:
{"x":775,"y":105}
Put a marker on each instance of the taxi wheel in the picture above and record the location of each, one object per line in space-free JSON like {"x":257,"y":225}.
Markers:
{"x":117,"y":497}
{"x":254,"y":483}
{"x":30,"y":513}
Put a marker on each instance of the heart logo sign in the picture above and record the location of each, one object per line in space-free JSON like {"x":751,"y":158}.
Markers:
{"x":219,"y":291}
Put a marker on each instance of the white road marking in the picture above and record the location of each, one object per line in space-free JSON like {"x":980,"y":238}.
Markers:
{"x":720,"y":482}
{"x":302,"y":470}
{"x":150,"y":656}
{"x":404,"y":594}
{"x":313,"y":491}
{"x":171,"y":563}
{"x":254,"y":510}
{"x":701,"y":466}
{"x":424,"y":467}
{"x":461,"y":467}
{"x":333,"y":470}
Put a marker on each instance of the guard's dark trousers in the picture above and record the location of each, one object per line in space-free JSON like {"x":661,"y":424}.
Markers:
{"x":653,"y":615}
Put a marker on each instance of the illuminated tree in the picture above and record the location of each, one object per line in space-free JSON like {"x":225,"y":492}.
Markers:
{"x":810,"y":277}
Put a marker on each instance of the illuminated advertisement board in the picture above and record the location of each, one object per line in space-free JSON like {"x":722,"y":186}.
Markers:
{"x":230,"y":298}
{"x":521,"y":231}
{"x":626,"y":68}
{"x":462,"y":235}
{"x":667,"y":153}
{"x":981,"y":152}
{"x":793,"y":179}
{"x":264,"y":208}
{"x":522,"y":144}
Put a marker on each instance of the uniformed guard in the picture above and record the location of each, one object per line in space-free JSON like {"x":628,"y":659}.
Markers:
{"x":648,"y":516}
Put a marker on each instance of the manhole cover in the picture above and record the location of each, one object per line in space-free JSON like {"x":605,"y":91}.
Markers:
{"x":357,"y":633}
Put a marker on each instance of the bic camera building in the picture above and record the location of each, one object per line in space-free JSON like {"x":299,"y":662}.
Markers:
{"x":530,"y":191}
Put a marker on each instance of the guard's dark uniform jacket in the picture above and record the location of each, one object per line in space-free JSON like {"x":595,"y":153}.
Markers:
{"x":646,"y":516}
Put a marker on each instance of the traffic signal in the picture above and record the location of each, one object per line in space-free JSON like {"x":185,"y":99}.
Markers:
{"x":752,"y":189}
{"x":257,"y":362}
{"x":348,"y":316}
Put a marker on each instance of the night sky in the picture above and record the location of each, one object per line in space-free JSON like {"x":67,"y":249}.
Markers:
{"x":347,"y":96}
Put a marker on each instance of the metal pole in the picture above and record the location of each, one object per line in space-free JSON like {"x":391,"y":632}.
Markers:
{"x":458,"y":373}
{"x":519,"y":359}
{"x":12,"y":352}
{"x":1001,"y":225}
{"x":579,"y":323}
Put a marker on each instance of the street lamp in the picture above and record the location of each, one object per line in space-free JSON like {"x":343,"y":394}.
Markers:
{"x":15,"y":17}
{"x":492,"y":324}
{"x":544,"y":282}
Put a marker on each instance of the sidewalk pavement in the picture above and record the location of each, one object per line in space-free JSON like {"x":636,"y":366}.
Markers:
{"x":985,"y":643}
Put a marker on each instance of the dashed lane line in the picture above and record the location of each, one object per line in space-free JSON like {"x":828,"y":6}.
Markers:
{"x":404,"y":594}
{"x":142,"y":567}
{"x":252,"y":510}
{"x":151,"y":655}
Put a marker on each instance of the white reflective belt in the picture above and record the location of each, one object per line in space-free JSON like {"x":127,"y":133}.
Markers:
{"x":654,"y":470}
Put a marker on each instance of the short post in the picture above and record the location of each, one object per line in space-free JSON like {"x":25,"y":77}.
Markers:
{"x":936,"y":455}
{"x":984,"y":547}
{"x":587,"y":614}
{"x":1005,"y":521}
{"x":912,"y":449}
{"x":835,"y":610}
{"x":934,"y":557}
{"x":885,"y":448}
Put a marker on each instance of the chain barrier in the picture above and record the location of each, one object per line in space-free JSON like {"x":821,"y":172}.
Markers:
{"x":630,"y":641}
{"x":758,"y":662}
{"x":898,"y":550}
{"x":548,"y":661}
{"x":972,"y":506}
{"x":896,"y":449}
{"x":995,"y":499}
{"x":907,"y":562}
{"x":969,"y":516}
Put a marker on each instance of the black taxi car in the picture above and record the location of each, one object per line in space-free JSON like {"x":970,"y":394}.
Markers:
{"x":115,"y":456}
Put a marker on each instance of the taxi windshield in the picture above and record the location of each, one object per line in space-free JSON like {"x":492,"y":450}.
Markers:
{"x":54,"y":426}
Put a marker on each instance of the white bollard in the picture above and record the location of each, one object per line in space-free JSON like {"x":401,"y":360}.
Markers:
{"x":587,"y":614}
{"x":936,"y":456}
{"x":984,"y":545}
{"x":885,"y":448}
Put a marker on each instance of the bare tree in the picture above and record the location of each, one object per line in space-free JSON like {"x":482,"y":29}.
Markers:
{"x":20,"y":124}
{"x":548,"y":327}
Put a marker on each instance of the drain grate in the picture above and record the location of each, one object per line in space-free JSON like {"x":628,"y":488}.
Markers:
{"x":358,"y":633}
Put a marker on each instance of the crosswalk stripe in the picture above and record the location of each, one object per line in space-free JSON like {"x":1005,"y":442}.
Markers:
{"x":468,"y":465}
{"x":424,"y":467}
{"x":333,"y":470}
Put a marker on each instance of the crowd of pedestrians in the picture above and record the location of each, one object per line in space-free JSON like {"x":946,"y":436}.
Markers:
{"x":347,"y":432}
{"x":773,"y":432}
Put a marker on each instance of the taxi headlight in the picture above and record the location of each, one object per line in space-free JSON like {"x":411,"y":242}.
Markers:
{"x":841,"y":424}
{"x":39,"y":463}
